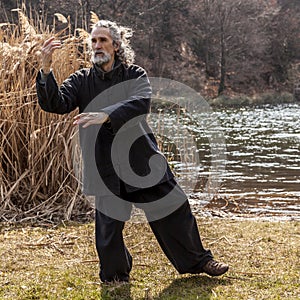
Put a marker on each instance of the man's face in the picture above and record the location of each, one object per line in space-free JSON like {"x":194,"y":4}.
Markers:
{"x":102,"y":46}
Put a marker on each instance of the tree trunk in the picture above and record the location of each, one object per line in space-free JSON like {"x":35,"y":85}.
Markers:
{"x":222,"y":64}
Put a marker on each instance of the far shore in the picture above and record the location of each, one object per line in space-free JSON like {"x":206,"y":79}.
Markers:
{"x":271,"y":98}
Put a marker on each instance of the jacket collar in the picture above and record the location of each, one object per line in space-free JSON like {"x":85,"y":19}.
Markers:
{"x":107,"y":75}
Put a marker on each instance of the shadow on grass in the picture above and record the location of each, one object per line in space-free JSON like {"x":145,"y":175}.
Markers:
{"x":116,"y":292}
{"x":187,"y":288}
{"x":192,"y":287}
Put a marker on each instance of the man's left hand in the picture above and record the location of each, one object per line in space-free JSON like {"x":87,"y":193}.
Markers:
{"x":87,"y":119}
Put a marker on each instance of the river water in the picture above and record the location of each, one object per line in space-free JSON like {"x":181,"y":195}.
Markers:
{"x":263,"y":158}
{"x":260,"y":172}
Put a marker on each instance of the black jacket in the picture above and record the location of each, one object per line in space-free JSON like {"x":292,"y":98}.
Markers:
{"x":124,"y":94}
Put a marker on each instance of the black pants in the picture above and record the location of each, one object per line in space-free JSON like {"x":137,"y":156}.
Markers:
{"x":177,"y":235}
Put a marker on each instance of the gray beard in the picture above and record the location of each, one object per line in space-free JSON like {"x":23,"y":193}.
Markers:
{"x":100,"y":60}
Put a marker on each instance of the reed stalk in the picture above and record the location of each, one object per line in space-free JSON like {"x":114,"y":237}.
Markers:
{"x":37,"y":178}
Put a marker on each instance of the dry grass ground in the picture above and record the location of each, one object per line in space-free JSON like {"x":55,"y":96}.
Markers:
{"x":60,"y":262}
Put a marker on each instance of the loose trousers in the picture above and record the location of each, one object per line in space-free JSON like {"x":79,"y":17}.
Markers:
{"x":176,"y":233}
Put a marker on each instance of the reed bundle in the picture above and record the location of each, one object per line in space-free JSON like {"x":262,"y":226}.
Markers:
{"x":36,"y":166}
{"x":38,"y":150}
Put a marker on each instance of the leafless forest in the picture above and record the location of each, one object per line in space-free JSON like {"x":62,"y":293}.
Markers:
{"x":213,"y":46}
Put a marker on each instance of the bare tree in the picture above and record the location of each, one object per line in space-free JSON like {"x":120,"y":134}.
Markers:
{"x":233,"y":37}
{"x":285,"y":40}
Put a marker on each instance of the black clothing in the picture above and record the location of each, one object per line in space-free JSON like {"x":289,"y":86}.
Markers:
{"x":92,"y":90}
{"x":124,"y":94}
{"x":177,"y":235}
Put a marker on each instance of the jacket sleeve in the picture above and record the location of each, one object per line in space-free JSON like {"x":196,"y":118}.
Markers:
{"x":137,"y":103}
{"x":54,"y":99}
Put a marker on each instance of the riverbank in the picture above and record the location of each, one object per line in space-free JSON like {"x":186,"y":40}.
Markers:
{"x":60,"y":262}
{"x":240,"y":100}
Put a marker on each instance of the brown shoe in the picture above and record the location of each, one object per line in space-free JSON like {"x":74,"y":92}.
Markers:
{"x":214,"y":268}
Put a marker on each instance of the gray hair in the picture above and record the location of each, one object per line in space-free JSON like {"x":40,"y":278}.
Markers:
{"x":120,"y":35}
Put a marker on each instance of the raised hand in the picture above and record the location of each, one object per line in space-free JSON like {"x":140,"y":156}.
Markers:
{"x":87,"y":119}
{"x":48,"y":48}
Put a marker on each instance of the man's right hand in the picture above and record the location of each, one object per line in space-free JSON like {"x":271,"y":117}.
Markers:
{"x":46,"y":54}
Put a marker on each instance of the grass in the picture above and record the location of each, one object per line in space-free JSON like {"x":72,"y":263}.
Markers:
{"x":60,"y":262}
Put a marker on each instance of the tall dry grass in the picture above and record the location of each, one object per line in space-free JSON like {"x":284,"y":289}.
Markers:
{"x":36,"y":167}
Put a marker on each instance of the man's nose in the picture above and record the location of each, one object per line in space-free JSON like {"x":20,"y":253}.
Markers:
{"x":98,"y":45}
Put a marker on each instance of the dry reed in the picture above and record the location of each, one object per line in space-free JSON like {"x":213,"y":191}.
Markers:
{"x":37,"y":179}
{"x":37,"y":166}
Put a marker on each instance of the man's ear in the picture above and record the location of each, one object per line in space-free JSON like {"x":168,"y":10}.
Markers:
{"x":116,"y":45}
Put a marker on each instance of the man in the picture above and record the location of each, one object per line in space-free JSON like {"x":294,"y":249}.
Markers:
{"x":119,"y":116}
